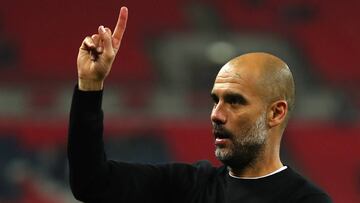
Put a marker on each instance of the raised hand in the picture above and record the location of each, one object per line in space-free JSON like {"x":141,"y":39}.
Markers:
{"x":97,"y":54}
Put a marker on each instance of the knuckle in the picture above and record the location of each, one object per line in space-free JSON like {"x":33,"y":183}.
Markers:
{"x":87,"y":38}
{"x":109,"y":57}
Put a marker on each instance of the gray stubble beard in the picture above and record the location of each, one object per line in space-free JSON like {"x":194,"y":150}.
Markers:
{"x":245,"y":149}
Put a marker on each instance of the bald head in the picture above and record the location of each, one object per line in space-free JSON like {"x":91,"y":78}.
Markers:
{"x":271,"y":76}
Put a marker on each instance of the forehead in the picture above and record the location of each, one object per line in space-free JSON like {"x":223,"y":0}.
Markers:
{"x":237,"y":80}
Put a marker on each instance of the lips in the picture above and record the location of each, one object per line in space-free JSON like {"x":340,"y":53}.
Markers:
{"x":221,"y":135}
{"x":219,"y":142}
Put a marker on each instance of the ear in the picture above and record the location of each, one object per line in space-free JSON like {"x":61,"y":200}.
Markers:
{"x":277,"y":113}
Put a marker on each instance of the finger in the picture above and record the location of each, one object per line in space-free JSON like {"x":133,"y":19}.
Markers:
{"x":89,"y":47}
{"x":88,"y":44}
{"x":120,"y":27}
{"x":108,"y":30}
{"x":96,"y":40}
{"x":101,"y":45}
{"x":105,"y":37}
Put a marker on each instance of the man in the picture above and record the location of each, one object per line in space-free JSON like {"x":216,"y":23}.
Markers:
{"x":253,"y":95}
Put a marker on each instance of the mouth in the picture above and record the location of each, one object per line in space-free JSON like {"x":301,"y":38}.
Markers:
{"x":220,"y":132}
{"x":222,"y":137}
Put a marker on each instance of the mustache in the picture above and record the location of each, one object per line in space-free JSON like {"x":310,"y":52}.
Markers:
{"x":220,"y":132}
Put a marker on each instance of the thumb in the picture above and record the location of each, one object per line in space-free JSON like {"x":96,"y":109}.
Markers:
{"x":105,"y":36}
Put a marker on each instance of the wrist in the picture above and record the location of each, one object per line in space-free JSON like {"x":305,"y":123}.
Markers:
{"x":90,"y":85}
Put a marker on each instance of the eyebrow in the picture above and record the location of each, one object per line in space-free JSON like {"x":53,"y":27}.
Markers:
{"x":231,"y":97}
{"x":214,"y":96}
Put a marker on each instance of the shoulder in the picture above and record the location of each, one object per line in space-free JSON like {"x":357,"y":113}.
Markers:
{"x":200,"y":168}
{"x":198,"y":173}
{"x":305,"y":190}
{"x":189,"y":180}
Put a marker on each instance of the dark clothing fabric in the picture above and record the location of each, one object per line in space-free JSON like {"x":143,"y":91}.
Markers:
{"x":93,"y":178}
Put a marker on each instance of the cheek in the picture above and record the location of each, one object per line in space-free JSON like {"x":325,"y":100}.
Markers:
{"x":240,"y":123}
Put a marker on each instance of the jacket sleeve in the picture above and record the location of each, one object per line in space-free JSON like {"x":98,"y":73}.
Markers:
{"x":93,"y":178}
{"x":85,"y":145}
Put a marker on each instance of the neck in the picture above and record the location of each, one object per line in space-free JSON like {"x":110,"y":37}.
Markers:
{"x":259,"y":177}
{"x":255,"y":170}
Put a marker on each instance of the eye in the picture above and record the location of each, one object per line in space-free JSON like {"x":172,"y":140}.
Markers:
{"x":236,"y":100}
{"x":233,"y":101}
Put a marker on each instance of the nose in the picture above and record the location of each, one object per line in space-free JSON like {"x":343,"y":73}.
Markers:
{"x":218,"y":114}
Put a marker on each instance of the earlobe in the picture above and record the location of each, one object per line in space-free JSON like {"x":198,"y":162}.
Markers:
{"x":278,"y":112}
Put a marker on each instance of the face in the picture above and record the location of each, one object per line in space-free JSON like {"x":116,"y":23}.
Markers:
{"x":238,"y":118}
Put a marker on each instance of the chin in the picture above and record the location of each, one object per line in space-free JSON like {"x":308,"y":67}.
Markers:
{"x":223,"y":154}
{"x":232,"y":159}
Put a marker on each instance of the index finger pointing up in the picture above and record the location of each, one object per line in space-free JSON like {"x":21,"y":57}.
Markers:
{"x":120,"y":27}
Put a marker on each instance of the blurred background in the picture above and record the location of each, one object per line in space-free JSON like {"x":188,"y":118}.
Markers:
{"x":156,"y":99}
